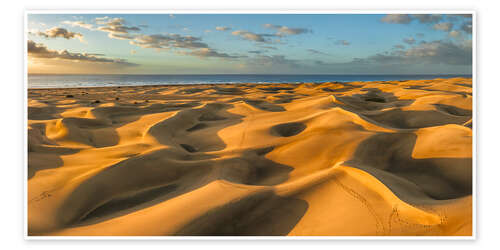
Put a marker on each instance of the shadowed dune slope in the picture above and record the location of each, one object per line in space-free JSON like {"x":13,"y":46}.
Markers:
{"x":329,"y":159}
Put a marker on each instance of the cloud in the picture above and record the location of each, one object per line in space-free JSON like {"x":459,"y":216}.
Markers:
{"x":80,"y":24}
{"x":428,"y":18}
{"x":256,"y":51}
{"x":280,"y":61}
{"x":187,"y":45}
{"x":316,"y":52}
{"x":455,"y":33}
{"x":250,"y":36}
{"x":38,"y":50}
{"x":115,"y":25}
{"x":265,"y":38}
{"x":435,"y":52}
{"x":409,"y":40}
{"x":407,"y":18}
{"x":168,"y":41}
{"x":101,"y":19}
{"x":60,"y":32}
{"x":343,"y":42}
{"x":133,"y":52}
{"x":207,"y":52}
{"x":269,"y":47}
{"x":420,"y":35}
{"x":397,"y":18}
{"x":399,"y":46}
{"x":461,"y":15}
{"x":121,"y":36}
{"x":284,"y":30}
{"x":443,"y":26}
{"x":467,"y":27}
{"x":222,"y":28}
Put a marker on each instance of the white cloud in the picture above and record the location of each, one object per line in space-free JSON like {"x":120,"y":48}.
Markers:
{"x":79,"y":24}
{"x":443,"y":26}
{"x":409,"y":40}
{"x":247,"y":35}
{"x":397,"y":18}
{"x":60,"y":32}
{"x":222,"y":28}
{"x":284,"y":30}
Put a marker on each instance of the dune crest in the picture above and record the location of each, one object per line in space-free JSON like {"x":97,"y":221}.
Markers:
{"x":330,"y":159}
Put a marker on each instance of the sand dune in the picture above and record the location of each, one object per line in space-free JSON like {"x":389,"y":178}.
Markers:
{"x":334,"y":159}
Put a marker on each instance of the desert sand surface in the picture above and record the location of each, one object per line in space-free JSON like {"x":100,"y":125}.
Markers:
{"x":332,"y":159}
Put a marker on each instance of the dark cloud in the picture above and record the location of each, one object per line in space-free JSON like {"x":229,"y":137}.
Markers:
{"x":436,"y":52}
{"x":37,"y":50}
{"x":397,"y":18}
{"x":467,"y":27}
{"x":256,"y":51}
{"x":60,"y":32}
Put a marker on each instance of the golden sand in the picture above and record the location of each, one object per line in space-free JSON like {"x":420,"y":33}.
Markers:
{"x":358,"y":159}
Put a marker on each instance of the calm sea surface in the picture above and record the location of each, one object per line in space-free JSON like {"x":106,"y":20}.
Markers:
{"x":71,"y":81}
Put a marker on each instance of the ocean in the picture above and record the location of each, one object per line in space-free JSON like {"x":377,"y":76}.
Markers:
{"x":72,"y":81}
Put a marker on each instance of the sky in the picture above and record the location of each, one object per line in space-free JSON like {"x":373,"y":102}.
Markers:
{"x":249,"y":44}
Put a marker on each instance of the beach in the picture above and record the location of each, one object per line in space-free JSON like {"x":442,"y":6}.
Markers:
{"x":380,"y":158}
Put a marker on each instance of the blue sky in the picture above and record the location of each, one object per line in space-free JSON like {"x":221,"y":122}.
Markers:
{"x":249,"y":43}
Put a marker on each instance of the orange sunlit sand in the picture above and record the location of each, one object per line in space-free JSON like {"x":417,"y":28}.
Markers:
{"x":333,"y":159}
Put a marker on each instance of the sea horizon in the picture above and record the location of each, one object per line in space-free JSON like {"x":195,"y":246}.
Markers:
{"x":111,"y":80}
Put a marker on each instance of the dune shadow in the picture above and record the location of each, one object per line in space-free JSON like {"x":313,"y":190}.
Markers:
{"x":43,"y":153}
{"x":373,"y":99}
{"x":137,"y":182}
{"x":196,"y":128}
{"x":413,"y":119}
{"x":288,"y":129}
{"x":261,"y":214}
{"x":263,"y":105}
{"x":387,"y":156}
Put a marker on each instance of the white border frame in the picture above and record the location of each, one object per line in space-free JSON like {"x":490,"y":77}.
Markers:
{"x":255,"y":11}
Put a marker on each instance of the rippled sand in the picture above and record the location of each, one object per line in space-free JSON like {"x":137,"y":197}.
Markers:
{"x":362,"y":159}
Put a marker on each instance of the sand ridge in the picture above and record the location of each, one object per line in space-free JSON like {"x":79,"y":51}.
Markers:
{"x":334,"y":159}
